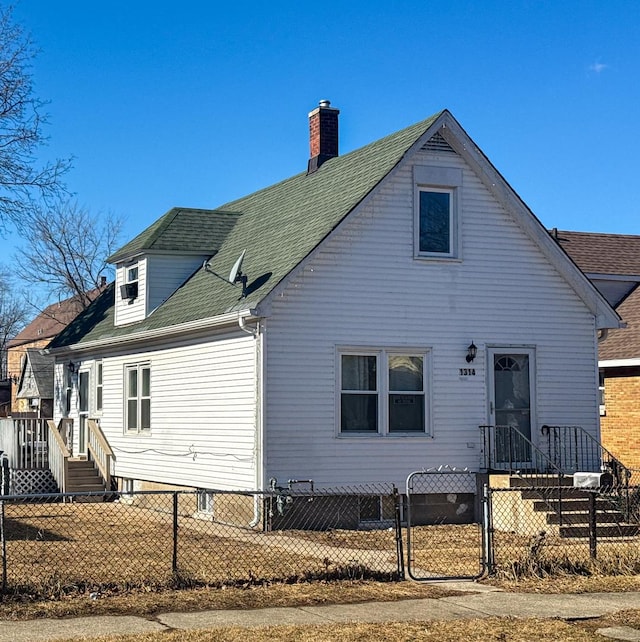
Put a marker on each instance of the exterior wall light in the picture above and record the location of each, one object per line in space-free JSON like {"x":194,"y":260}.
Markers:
{"x":472,"y":351}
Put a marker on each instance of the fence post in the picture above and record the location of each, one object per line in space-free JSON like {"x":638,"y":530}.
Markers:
{"x":174,"y":557}
{"x":399,"y":548}
{"x":593,"y":522}
{"x":3,"y":539}
{"x":487,"y":531}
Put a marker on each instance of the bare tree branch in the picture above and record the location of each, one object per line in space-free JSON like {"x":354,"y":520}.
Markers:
{"x":66,"y":248}
{"x":13,"y":316}
{"x":22,"y":178}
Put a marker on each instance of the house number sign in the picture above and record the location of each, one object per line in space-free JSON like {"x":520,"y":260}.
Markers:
{"x":467,"y":372}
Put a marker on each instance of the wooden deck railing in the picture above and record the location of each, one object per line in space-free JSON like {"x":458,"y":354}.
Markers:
{"x":25,"y":442}
{"x":99,"y":451}
{"x":58,"y":456}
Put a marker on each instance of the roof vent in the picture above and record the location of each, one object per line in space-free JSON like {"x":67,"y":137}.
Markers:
{"x":437,"y":144}
{"x":323,"y":135}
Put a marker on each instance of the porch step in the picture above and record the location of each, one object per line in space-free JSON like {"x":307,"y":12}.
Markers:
{"x":540,"y":481}
{"x":571,"y":504}
{"x":619,"y":530}
{"x":567,"y":508}
{"x":83,"y":476}
{"x":554,"y":493}
{"x":602,"y":517}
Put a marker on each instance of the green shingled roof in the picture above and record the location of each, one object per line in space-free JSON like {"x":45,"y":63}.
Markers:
{"x":181,"y":230}
{"x":277,"y":226}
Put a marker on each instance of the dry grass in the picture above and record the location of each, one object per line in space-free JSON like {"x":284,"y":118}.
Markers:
{"x":148,"y":603}
{"x":476,"y":630}
{"x":54,"y":549}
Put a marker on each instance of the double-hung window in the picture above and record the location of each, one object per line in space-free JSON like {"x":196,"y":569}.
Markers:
{"x":138,"y":398}
{"x":98,"y":387}
{"x":437,"y":219}
{"x":383,"y":391}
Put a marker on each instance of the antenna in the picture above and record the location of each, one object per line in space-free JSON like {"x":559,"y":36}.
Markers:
{"x":235,"y":276}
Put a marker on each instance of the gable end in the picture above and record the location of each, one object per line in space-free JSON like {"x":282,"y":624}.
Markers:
{"x":437,"y":144}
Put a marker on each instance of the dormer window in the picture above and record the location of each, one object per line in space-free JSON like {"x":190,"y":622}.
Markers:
{"x":129,"y":289}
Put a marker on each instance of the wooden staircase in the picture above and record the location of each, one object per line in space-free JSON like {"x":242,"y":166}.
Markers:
{"x":573,"y":512}
{"x":83,"y":476}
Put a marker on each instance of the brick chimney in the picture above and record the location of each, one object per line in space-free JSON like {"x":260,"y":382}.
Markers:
{"x":323,"y":135}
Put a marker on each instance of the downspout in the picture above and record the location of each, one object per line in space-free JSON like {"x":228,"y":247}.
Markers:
{"x":258,"y":335}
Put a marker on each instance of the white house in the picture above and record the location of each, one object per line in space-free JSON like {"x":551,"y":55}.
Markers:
{"x":341,"y":354}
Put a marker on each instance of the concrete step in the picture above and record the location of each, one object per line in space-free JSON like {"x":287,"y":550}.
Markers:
{"x":554,"y":493}
{"x":583,"y":518}
{"x":572,"y":504}
{"x":539,"y":481}
{"x":619,"y":530}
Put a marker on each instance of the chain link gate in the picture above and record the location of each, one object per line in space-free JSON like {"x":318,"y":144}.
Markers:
{"x":447,"y":527}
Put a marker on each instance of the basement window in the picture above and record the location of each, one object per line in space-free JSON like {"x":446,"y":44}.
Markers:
{"x":205,"y":502}
{"x":376,"y":508}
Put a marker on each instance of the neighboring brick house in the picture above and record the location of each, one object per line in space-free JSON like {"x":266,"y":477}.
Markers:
{"x":612,"y":262}
{"x":38,"y":334}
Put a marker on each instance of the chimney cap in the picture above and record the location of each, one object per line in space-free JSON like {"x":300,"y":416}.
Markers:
{"x":324,"y":103}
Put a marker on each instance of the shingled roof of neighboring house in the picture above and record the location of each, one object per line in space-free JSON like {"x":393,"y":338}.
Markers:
{"x":277,"y":226}
{"x":624,"y":343}
{"x":596,"y":253}
{"x":50,"y":321}
{"x":42,"y":370}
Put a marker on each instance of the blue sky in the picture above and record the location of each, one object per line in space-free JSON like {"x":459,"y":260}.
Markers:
{"x":196,"y":103}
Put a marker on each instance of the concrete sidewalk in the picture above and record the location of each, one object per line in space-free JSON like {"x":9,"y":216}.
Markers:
{"x":483,"y":602}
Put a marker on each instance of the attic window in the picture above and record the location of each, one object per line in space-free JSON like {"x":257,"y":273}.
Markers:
{"x":437,"y":219}
{"x":438,"y":144}
{"x":132,"y":274}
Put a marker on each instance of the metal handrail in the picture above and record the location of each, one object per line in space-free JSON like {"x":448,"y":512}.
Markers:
{"x":514,"y":441}
{"x":574,"y":449}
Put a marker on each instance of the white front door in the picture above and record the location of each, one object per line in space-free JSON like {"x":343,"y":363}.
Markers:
{"x":511,"y":405}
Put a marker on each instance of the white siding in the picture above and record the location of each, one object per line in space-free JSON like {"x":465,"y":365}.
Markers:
{"x":129,"y":312}
{"x":165,"y":274}
{"x":365,"y":288}
{"x":203,"y":413}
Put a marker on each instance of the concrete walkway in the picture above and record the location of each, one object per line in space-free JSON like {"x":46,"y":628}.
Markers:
{"x":483,"y":602}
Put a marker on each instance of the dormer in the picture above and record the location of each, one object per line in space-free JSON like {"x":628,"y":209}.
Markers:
{"x":151,"y":267}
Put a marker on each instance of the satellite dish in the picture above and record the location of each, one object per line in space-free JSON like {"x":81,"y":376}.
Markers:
{"x":236,"y":271}
{"x":235,"y":276}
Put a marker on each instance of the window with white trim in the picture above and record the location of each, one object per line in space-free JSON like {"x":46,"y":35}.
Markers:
{"x":437,"y":219}
{"x":98,"y":390}
{"x":137,"y":386}
{"x":383,"y":391}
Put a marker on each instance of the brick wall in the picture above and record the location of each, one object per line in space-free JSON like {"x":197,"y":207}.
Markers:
{"x":620,"y":426}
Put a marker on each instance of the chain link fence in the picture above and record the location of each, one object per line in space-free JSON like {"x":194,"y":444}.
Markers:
{"x":52,"y":544}
{"x":445,"y":525}
{"x":554,"y":529}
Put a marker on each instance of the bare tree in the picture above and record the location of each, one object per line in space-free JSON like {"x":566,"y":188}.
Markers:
{"x":13,"y":317}
{"x":21,"y":128}
{"x":65,"y":250}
